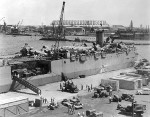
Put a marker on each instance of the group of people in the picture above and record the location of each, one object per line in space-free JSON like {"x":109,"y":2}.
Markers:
{"x":71,"y":109}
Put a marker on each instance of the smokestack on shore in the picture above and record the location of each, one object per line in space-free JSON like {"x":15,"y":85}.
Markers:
{"x":100,"y":37}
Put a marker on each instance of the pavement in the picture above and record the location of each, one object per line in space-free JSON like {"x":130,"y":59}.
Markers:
{"x":53,"y":91}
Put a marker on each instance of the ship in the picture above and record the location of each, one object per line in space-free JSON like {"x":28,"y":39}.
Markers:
{"x":52,"y":38}
{"x":14,"y":31}
{"x":66,"y":63}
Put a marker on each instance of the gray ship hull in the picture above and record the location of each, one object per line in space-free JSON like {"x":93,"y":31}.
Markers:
{"x":73,"y":69}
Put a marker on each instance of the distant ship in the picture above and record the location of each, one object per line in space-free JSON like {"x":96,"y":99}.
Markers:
{"x":53,"y":38}
{"x":131,"y":35}
{"x":15,"y":32}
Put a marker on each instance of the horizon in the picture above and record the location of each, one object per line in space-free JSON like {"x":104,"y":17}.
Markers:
{"x":43,"y":12}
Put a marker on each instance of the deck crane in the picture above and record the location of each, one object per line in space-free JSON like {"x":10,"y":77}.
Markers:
{"x":21,"y":21}
{"x":17,"y":24}
{"x":2,"y":18}
{"x":60,"y":26}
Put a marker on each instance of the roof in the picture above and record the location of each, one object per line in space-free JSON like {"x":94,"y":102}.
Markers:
{"x":12,"y":101}
{"x":127,"y":78}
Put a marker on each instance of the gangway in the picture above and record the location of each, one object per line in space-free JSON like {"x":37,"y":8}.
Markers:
{"x":28,"y":85}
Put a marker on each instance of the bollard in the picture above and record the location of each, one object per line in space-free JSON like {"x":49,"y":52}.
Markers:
{"x":91,"y":87}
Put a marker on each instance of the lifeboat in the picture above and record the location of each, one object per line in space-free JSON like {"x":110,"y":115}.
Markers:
{"x":82,"y":57}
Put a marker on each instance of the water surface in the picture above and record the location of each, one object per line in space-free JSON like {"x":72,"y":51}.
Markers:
{"x":11,"y":45}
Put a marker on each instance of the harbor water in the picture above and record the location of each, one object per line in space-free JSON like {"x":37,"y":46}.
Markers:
{"x":12,"y":44}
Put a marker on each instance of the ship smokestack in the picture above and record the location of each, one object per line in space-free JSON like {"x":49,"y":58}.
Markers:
{"x":100,"y":37}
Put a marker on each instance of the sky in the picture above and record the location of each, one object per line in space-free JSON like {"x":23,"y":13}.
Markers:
{"x":38,"y":12}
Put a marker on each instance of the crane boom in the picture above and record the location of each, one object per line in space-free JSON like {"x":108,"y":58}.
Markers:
{"x":60,"y":27}
{"x":21,"y":22}
{"x":2,"y":18}
{"x":17,"y":24}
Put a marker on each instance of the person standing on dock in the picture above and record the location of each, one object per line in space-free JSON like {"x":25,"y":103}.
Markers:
{"x":89,"y":89}
{"x":60,"y":86}
{"x":110,"y":99}
{"x":69,"y":109}
{"x":110,"y":90}
{"x":73,"y":108}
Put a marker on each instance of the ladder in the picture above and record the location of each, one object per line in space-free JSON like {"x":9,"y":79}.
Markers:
{"x":28,"y":85}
